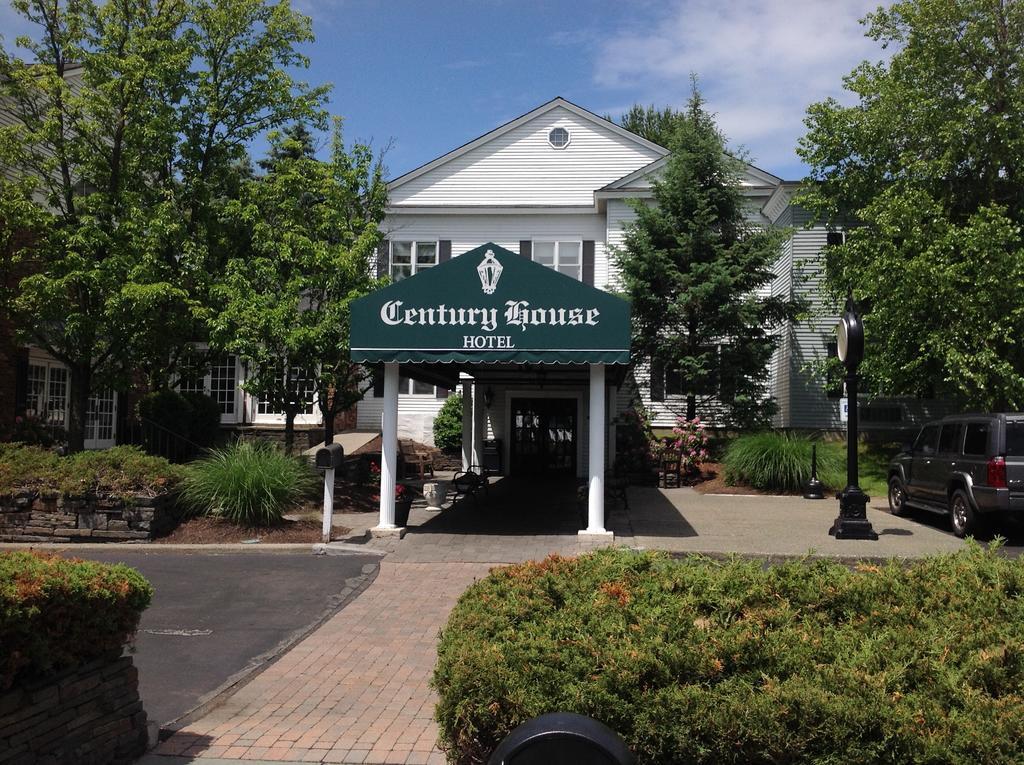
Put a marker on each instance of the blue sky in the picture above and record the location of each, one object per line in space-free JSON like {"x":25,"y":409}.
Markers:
{"x":425,"y":77}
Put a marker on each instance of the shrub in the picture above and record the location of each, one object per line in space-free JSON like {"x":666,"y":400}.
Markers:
{"x":448,"y":425}
{"x":781,"y":462}
{"x":120,"y":472}
{"x":57,"y":613}
{"x":247,"y":483}
{"x":168,"y":409}
{"x":697,"y":661}
{"x":689,"y":440}
{"x":33,"y":431}
{"x":204,"y":418}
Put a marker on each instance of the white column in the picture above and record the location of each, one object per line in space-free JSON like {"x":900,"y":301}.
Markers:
{"x":595,"y":495}
{"x":389,"y":447}
{"x":467,"y":424}
{"x":479,"y":425}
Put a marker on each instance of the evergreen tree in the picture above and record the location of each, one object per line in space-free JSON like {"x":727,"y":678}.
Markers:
{"x":294,"y":142}
{"x":694,"y":268}
{"x":656,"y":125}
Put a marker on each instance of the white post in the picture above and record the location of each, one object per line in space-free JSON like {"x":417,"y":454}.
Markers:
{"x":328,"y":503}
{"x":479,"y":425}
{"x":467,"y":424}
{"x":389,"y":447}
{"x":595,"y":495}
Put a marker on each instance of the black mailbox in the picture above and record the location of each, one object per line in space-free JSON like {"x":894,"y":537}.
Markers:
{"x":329,"y":456}
{"x":562,"y":737}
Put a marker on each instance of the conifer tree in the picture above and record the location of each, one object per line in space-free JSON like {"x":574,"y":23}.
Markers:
{"x":694,"y":266}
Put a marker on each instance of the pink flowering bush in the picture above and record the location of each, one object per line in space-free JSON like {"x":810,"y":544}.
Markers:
{"x":689,"y":440}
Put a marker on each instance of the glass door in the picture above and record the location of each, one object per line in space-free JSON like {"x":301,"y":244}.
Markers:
{"x":543,"y":436}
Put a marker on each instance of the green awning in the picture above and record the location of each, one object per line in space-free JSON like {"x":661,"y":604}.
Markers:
{"x":490,"y":305}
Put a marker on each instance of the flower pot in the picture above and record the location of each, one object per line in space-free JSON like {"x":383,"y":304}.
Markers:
{"x":402,"y":508}
{"x":435,"y":493}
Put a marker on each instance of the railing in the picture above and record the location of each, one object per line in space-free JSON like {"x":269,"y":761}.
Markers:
{"x":157,"y":440}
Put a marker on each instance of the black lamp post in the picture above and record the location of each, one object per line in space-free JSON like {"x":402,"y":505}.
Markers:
{"x":852,"y":522}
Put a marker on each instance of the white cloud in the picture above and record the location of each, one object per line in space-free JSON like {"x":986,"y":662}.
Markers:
{"x":760,"y":63}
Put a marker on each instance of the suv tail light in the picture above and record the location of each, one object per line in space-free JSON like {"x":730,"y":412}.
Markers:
{"x":997,"y":473}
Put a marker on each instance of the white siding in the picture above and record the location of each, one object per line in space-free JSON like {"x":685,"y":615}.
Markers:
{"x":521,"y":168}
{"x":619,"y":214}
{"x":469,"y":231}
{"x":415,"y":415}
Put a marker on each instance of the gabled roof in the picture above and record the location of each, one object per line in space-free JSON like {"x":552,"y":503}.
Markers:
{"x":499,"y":131}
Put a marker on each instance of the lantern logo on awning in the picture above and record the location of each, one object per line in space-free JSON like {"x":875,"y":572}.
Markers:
{"x":490,"y":271}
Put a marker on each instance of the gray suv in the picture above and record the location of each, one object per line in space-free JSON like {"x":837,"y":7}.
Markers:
{"x":967,"y":466}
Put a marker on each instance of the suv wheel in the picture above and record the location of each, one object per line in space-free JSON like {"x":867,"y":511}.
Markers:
{"x":961,"y":515}
{"x":897,"y":497}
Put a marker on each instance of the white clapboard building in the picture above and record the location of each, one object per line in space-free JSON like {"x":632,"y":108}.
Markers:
{"x":555,"y":185}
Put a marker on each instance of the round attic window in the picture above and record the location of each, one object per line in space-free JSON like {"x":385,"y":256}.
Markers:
{"x":558,"y":138}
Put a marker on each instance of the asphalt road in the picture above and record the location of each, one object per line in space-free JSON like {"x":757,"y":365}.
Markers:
{"x":1011,"y":531}
{"x":214,"y":615}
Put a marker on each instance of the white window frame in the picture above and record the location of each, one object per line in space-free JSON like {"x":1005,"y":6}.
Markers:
{"x":40,"y":358}
{"x":278,"y":418}
{"x":239,"y":401}
{"x":568,"y":137}
{"x":414,"y":247}
{"x":557,"y":243}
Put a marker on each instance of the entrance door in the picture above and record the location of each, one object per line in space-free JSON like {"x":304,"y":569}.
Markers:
{"x":543,"y":436}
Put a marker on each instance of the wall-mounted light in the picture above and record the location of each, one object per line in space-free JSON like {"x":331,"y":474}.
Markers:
{"x":488,"y":396}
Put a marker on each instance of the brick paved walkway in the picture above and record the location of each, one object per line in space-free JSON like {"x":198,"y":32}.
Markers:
{"x":355,"y":690}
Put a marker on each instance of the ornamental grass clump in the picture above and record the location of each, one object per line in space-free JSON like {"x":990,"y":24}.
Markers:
{"x":781,"y":462}
{"x":249,"y":484}
{"x":735,"y":663}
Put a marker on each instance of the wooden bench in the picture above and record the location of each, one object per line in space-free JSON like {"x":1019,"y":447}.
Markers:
{"x":415,"y":459}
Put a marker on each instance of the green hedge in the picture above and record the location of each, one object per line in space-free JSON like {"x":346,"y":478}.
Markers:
{"x":122,"y":471}
{"x":448,"y":425}
{"x":57,"y":613}
{"x":696,"y":661}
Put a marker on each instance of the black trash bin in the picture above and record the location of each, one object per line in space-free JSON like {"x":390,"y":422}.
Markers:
{"x":492,"y":456}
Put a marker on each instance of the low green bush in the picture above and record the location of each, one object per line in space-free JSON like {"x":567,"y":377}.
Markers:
{"x":448,"y":425}
{"x":698,"y":661}
{"x":57,"y":613}
{"x":203,"y":419}
{"x":248,"y":483}
{"x":781,"y":462}
{"x":119,"y":472}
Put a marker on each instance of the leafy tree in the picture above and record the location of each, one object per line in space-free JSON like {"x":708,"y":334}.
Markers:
{"x":298,"y":143}
{"x":929,"y":163}
{"x":694,"y":268}
{"x":130,"y":120}
{"x":656,"y":125}
{"x":311,"y":231}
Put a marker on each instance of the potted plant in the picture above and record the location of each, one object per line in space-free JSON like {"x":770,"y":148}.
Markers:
{"x":403,"y":503}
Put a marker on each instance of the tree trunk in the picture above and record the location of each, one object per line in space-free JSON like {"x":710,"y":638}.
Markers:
{"x":78,"y":400}
{"x":327,"y":412}
{"x":289,"y":429}
{"x":691,"y":406}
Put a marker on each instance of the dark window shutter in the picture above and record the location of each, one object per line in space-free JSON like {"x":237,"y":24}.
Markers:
{"x":440,"y":392}
{"x":444,"y":250}
{"x":526,"y":248}
{"x":378,"y":383}
{"x":588,"y":262}
{"x":383,"y":259}
{"x":657,"y":380}
{"x":21,"y":382}
{"x":835,"y":238}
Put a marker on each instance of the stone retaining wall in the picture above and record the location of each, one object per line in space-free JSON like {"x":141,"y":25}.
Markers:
{"x":88,"y":716}
{"x":31,"y":517}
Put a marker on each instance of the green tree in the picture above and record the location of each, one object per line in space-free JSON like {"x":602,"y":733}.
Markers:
{"x":656,"y":125}
{"x":311,"y":232}
{"x":448,"y":425}
{"x":130,"y":121}
{"x":694,"y":269}
{"x":928,"y":164}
